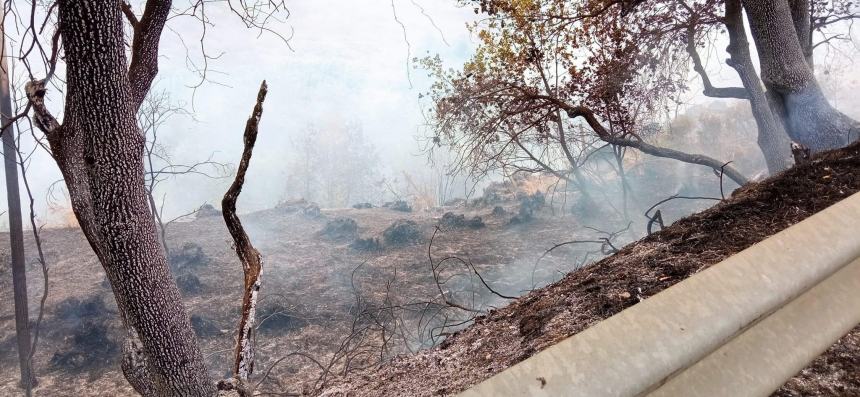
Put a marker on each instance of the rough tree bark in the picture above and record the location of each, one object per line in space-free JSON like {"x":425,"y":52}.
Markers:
{"x":772,"y":138}
{"x":809,"y":118}
{"x":801,"y":17}
{"x":99,"y":150}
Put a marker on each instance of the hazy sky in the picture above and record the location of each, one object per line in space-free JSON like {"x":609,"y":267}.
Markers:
{"x":347,"y":63}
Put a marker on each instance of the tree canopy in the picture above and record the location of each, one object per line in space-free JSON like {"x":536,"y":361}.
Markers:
{"x":553,"y":80}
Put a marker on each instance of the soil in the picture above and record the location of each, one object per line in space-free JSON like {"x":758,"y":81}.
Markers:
{"x":582,"y":298}
{"x":309,"y":293}
{"x":313,"y":287}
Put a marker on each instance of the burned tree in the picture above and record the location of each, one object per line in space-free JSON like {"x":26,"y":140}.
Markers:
{"x":252,"y":261}
{"x":99,"y":148}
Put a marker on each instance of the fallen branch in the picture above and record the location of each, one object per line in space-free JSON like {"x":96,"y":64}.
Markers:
{"x":658,"y":218}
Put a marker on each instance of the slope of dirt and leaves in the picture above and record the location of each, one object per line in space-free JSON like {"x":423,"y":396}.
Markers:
{"x":642,"y":269}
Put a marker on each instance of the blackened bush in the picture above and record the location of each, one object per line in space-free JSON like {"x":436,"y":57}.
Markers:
{"x":306,"y":208}
{"x":402,"y":232}
{"x":312,"y":210}
{"x":529,"y":203}
{"x":189,"y":257}
{"x":74,"y":309}
{"x":362,"y":206}
{"x":398,"y":205}
{"x":207,"y":211}
{"x":499,"y":211}
{"x":456,"y":202}
{"x":274,"y":317}
{"x":366,"y":244}
{"x":532,"y":202}
{"x":458,"y":221}
{"x":340,"y":228}
{"x":204,"y":327}
{"x":189,"y":284}
{"x":89,"y":348}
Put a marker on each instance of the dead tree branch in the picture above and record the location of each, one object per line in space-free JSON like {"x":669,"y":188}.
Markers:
{"x":658,"y":217}
{"x":252,"y":261}
{"x":37,"y":238}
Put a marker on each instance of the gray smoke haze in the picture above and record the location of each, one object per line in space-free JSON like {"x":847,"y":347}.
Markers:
{"x":346,"y":63}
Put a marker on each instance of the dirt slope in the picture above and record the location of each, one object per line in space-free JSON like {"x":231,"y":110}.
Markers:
{"x":582,"y":298}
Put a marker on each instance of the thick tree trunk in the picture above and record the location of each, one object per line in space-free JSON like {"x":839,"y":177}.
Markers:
{"x":809,"y":118}
{"x":772,"y":138}
{"x":800,"y":15}
{"x":99,"y":149}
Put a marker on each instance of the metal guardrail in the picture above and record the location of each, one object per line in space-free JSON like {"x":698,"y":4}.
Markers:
{"x":739,"y":328}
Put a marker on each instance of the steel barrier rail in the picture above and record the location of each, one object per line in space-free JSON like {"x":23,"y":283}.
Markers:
{"x":739,"y":328}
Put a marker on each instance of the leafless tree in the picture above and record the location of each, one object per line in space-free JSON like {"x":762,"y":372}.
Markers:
{"x":157,"y":109}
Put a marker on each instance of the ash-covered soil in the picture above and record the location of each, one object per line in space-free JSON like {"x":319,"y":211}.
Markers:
{"x":340,"y":318}
{"x":318,"y":290}
{"x":582,"y":298}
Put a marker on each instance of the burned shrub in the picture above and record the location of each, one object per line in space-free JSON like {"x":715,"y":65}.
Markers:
{"x":89,"y":348}
{"x":207,"y":211}
{"x":84,"y":323}
{"x":187,"y":258}
{"x":459,"y":221}
{"x":340,"y":228}
{"x":366,"y":244}
{"x":494,"y":193}
{"x":362,"y":206}
{"x":302,"y":206}
{"x":529,"y":203}
{"x":312,"y":210}
{"x":290,"y":206}
{"x":275,"y":317}
{"x":398,"y":205}
{"x":499,"y":211}
{"x":523,"y":216}
{"x":75,"y":310}
{"x":204,"y":327}
{"x":532,"y":202}
{"x":189,"y":284}
{"x":402,"y":232}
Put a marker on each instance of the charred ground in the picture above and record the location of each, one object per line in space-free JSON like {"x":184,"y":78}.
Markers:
{"x":587,"y":296}
{"x":324,"y":296}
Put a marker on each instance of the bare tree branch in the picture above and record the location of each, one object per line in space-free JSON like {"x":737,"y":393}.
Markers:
{"x":709,"y":89}
{"x":252,"y":261}
{"x":606,"y":136}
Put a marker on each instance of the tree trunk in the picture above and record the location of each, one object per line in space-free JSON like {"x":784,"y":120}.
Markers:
{"x":802,"y":19}
{"x":810,"y":120}
{"x":99,"y":149}
{"x":772,"y":138}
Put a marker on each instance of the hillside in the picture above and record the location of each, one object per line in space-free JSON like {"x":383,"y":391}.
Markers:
{"x":582,"y":298}
{"x":315,"y":287}
{"x":340,"y":320}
